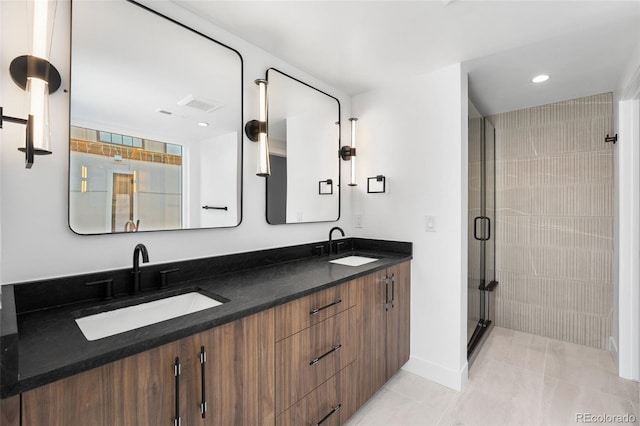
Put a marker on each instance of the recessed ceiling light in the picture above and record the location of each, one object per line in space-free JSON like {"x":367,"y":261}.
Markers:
{"x":540,"y":78}
{"x":203,"y":124}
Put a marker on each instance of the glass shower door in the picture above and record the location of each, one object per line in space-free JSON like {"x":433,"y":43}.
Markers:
{"x":481,"y":251}
{"x":475,"y":247}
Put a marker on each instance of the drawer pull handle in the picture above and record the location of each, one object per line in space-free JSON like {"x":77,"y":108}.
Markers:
{"x":316,"y":360}
{"x":314,"y":311}
{"x":324,"y":419}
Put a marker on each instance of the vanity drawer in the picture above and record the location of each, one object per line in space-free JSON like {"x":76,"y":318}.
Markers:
{"x":307,"y":311}
{"x":310,"y":357}
{"x":333,"y":401}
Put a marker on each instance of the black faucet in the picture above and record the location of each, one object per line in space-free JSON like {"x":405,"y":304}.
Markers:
{"x":140,"y":248}
{"x":335,"y":228}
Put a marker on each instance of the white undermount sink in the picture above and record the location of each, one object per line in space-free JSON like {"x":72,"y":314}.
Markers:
{"x":353,"y":260}
{"x":117,"y":321}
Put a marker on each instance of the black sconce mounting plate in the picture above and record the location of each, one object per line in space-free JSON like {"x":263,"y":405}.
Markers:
{"x":26,"y":66}
{"x":253,"y":128}
{"x":346,"y":152}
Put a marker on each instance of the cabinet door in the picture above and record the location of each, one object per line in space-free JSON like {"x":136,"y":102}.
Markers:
{"x":371,"y":323}
{"x":10,"y":411}
{"x":138,"y":390}
{"x":398,"y":317}
{"x":239,"y":376}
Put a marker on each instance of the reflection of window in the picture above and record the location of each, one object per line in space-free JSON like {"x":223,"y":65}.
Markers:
{"x":123,"y":184}
{"x":117,"y":139}
{"x":115,"y":145}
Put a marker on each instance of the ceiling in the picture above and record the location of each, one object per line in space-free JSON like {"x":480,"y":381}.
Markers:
{"x":124,"y":65}
{"x":358,"y":46}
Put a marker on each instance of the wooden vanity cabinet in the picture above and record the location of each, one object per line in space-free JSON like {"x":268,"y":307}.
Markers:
{"x":383,"y":300}
{"x":330,"y":404}
{"x":238,"y":373}
{"x":141,"y":389}
{"x":316,"y":359}
{"x":137,"y":390}
{"x":10,"y":411}
{"x":398,"y":330}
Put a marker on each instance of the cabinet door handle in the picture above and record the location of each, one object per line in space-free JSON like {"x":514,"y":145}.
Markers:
{"x":315,"y":311}
{"x":393,"y":290}
{"x":324,"y":419}
{"x":386,"y":294}
{"x":203,"y":361}
{"x":332,"y":350}
{"x":176,"y":371}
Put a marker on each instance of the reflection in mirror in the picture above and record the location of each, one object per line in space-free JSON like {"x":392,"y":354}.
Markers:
{"x":304,"y":140}
{"x":156,"y":119}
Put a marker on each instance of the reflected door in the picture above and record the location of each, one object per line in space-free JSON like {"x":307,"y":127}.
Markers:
{"x":121,"y":201}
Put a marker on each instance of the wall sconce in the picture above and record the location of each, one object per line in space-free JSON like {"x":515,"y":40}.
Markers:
{"x":256,"y":131}
{"x":376,"y":184}
{"x":348,"y":153}
{"x":34,"y":74}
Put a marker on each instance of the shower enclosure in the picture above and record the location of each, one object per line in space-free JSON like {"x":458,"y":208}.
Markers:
{"x":481,"y":251}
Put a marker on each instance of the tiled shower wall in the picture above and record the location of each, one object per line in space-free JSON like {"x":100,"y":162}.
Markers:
{"x":554,"y":202}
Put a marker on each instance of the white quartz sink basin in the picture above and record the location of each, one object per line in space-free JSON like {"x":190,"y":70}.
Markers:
{"x":353,"y":260}
{"x":117,"y":321}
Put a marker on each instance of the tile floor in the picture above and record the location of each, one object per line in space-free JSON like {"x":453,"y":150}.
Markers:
{"x":516,"y":379}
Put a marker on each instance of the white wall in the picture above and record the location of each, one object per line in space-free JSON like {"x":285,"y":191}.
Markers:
{"x":218,"y":158}
{"x":36,"y":241}
{"x":415,"y":133}
{"x":628,"y":344}
{"x":308,"y":163}
{"x":625,"y":339}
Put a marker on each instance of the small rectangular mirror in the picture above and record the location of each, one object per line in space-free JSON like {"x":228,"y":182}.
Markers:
{"x":156,"y":123}
{"x":304,"y":140}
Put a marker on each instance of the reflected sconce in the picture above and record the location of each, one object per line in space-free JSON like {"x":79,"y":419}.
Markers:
{"x":84,"y":174}
{"x":34,"y":74}
{"x":256,"y":131}
{"x":348,"y":153}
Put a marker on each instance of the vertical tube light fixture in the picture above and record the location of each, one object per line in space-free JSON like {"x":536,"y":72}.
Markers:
{"x":37,"y":85}
{"x":348,"y":153}
{"x":34,"y":74}
{"x":353,"y":121}
{"x":256,"y":131}
{"x":264,"y":167}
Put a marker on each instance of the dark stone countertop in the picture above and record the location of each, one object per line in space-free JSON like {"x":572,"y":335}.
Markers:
{"x":49,"y":345}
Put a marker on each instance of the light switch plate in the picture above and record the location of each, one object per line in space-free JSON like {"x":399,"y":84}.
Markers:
{"x":358,"y":221}
{"x":430,"y":223}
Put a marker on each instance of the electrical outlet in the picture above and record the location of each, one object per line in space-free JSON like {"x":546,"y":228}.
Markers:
{"x":430,"y":223}
{"x":358,"y":221}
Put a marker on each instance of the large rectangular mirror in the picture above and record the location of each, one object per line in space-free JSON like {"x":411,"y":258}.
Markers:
{"x":156,"y":121}
{"x":304,"y":140}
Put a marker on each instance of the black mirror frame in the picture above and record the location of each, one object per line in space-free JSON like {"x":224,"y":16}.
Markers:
{"x":338,"y":185}
{"x":240,"y":122}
